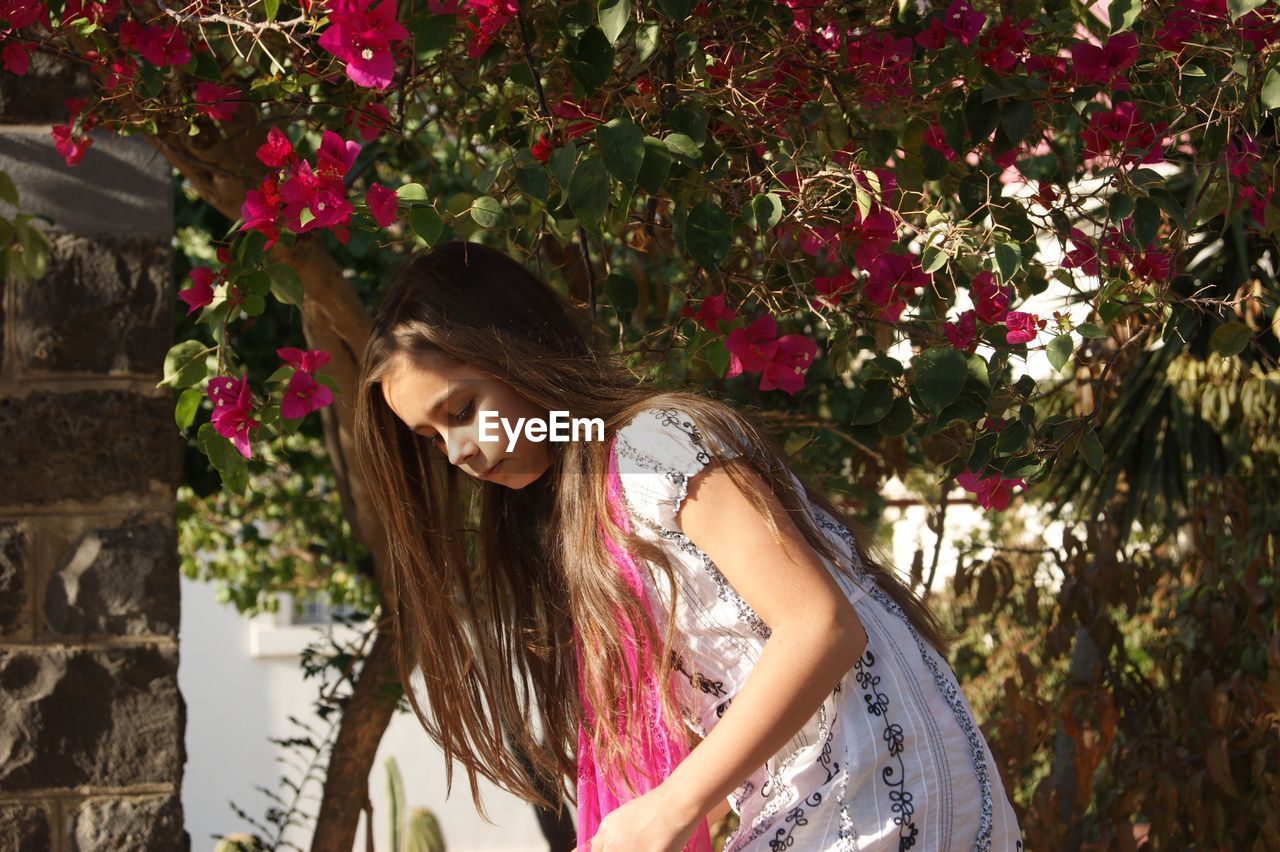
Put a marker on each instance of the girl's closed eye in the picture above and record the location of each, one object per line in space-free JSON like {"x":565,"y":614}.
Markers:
{"x":437,"y":439}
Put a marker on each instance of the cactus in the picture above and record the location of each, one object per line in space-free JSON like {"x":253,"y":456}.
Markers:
{"x":423,"y":831}
{"x":240,"y":843}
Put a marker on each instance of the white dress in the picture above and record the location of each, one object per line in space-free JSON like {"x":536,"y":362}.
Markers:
{"x":893,"y":759}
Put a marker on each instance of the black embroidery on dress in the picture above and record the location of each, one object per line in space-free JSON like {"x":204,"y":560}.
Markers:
{"x":711,"y":687}
{"x":900,"y":798}
{"x":949,"y":691}
{"x":782,"y":838}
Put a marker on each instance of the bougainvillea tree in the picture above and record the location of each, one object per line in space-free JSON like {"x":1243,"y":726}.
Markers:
{"x":848,"y":210}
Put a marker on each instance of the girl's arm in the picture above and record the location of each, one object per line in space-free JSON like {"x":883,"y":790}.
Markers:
{"x":816,"y":637}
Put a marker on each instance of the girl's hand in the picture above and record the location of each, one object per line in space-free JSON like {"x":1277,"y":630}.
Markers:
{"x":647,"y":823}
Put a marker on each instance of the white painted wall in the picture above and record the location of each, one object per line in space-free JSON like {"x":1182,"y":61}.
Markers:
{"x":236,"y":700}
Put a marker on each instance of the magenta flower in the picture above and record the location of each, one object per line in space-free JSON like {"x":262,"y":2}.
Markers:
{"x":832,"y":287}
{"x":371,"y":121}
{"x":892,"y":279}
{"x":1101,"y":66}
{"x":16,"y":56}
{"x":336,"y":155}
{"x":963,"y":331}
{"x":277,"y":151}
{"x":325,"y":199}
{"x":1003,"y":45}
{"x":1083,"y":255}
{"x":362,"y":39}
{"x":232,"y":410}
{"x":100,"y":12}
{"x":261,"y":208}
{"x":1021,"y":327}
{"x":990,"y":300}
{"x":935,"y":139}
{"x":382,"y":203}
{"x":200,"y":293}
{"x":752,"y":348}
{"x":308,"y":361}
{"x":993,"y":491}
{"x":215,"y":101}
{"x":1124,"y":127}
{"x":303,"y":395}
{"x":786,"y":369}
{"x":163,"y":46}
{"x":712,"y":314}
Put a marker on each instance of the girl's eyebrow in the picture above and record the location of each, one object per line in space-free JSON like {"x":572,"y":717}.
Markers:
{"x":444,"y":397}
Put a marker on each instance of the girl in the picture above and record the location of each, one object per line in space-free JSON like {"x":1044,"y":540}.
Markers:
{"x":672,"y":547}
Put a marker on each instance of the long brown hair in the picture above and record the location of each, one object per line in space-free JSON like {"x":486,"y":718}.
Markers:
{"x":485,"y":616}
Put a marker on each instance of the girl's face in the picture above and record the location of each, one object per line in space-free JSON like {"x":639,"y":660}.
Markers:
{"x":442,"y":401}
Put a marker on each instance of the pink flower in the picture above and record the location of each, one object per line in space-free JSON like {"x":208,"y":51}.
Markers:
{"x":963,"y":331}
{"x":935,"y":139}
{"x":261,"y":208}
{"x":1021,"y":327}
{"x":881,"y":64}
{"x":892,"y":279}
{"x":1122,"y":126}
{"x":232,"y":410}
{"x":16,"y":56}
{"x":362,"y":39}
{"x":371,"y":121}
{"x":832,"y":288}
{"x":752,"y":348}
{"x":712,"y":314}
{"x":993,"y":491}
{"x":791,"y":359}
{"x":382,"y":204}
{"x":304,"y":395}
{"x":308,"y":361}
{"x":1100,"y":66}
{"x":493,"y":16}
{"x":71,"y":147}
{"x":120,"y":73}
{"x":990,"y":301}
{"x":962,"y":21}
{"x":214,"y":101}
{"x":325,"y":199}
{"x":277,"y":151}
{"x":336,"y":155}
{"x":100,"y":12}
{"x":1002,"y":45}
{"x":200,"y":293}
{"x":541,"y":150}
{"x":163,"y":46}
{"x":1083,"y":255}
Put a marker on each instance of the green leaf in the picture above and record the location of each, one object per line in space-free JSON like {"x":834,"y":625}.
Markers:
{"x":1123,"y":14}
{"x":1008,"y":260}
{"x":939,"y":376}
{"x":487,"y":212}
{"x":1271,"y":90}
{"x":874,"y":400}
{"x":534,"y":182}
{"x":690,"y":119}
{"x":562,"y":163}
{"x":1230,"y":338}
{"x":1239,"y":8}
{"x":621,"y":292}
{"x":683,"y":147}
{"x":7,"y":190}
{"x":647,"y":40}
{"x":1059,"y":350}
{"x":932,"y":259}
{"x":978,"y":371}
{"x":184,"y":364}
{"x":613,"y":16}
{"x":590,"y":59}
{"x":1088,"y":329}
{"x":1092,"y":450}
{"x":898,"y":420}
{"x":656,"y":165}
{"x":411,"y":192}
{"x":1146,"y":221}
{"x":225,"y":458}
{"x":676,"y":10}
{"x":717,"y":355}
{"x":1012,"y":439}
{"x":766,"y":211}
{"x":622,"y":148}
{"x":184,"y":413}
{"x":708,"y":233}
{"x":253,"y":305}
{"x":286,"y":286}
{"x":589,"y":191}
{"x":270,"y":7}
{"x":426,"y":223}
{"x":1016,"y":118}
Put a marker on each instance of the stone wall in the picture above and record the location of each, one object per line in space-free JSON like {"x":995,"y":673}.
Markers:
{"x":91,"y":720}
